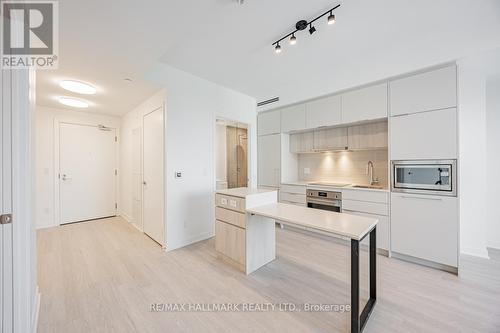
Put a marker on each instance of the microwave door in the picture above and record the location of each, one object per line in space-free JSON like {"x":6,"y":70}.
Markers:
{"x":423,"y":177}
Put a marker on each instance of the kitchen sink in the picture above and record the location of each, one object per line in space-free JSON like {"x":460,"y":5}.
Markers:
{"x":376,"y":187}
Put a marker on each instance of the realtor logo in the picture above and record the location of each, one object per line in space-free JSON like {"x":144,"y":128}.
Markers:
{"x":29,"y":34}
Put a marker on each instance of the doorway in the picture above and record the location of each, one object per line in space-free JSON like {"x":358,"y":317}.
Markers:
{"x":153,"y":180}
{"x":231,"y":154}
{"x":87,"y":172}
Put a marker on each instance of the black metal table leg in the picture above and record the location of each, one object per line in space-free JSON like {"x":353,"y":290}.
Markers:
{"x":358,"y":321}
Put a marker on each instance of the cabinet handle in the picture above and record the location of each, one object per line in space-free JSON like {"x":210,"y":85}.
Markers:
{"x":421,"y":198}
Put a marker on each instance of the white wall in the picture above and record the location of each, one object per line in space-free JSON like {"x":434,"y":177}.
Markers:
{"x":130,"y":122}
{"x":45,"y":168}
{"x":192,"y":106}
{"x":478,"y":144}
{"x":493,"y":161}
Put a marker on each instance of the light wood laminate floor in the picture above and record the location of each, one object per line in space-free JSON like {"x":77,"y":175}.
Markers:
{"x":103,"y":276}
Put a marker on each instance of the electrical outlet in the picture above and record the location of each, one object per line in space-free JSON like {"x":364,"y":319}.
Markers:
{"x":307,"y":171}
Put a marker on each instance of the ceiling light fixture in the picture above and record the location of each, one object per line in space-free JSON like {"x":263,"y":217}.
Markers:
{"x":331,"y":19}
{"x":302,"y":25}
{"x":78,"y":87}
{"x":73,"y":102}
{"x":277,"y":48}
{"x":312,"y":29}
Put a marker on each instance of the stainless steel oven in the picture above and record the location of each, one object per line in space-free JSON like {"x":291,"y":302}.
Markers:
{"x":425,"y":177}
{"x":326,"y":200}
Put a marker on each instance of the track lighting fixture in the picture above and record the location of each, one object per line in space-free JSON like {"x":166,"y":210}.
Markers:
{"x":331,"y":19}
{"x":302,"y":25}
{"x":277,"y":48}
{"x":312,"y":29}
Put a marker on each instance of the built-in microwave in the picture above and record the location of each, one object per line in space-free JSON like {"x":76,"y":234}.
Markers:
{"x":437,"y":177}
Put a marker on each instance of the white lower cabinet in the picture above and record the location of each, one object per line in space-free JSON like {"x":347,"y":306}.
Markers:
{"x":269,"y":160}
{"x":382,"y":228}
{"x":425,"y":227}
{"x":426,"y":135}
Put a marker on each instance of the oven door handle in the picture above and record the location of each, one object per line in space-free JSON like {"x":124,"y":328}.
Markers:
{"x":334,"y":203}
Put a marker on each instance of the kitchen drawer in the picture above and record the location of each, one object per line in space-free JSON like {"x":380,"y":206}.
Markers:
{"x":298,"y":189}
{"x":229,"y":216}
{"x":229,"y":202}
{"x":293,"y":203}
{"x":382,"y":228}
{"x":365,"y":207}
{"x":230,"y":241}
{"x":362,"y":195}
{"x":293,"y":197}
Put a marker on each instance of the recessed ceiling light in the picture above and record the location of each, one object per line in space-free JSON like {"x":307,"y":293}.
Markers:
{"x":76,"y":103}
{"x":78,"y":87}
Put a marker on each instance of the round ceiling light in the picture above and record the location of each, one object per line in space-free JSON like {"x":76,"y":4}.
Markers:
{"x":78,"y":87}
{"x":73,"y":102}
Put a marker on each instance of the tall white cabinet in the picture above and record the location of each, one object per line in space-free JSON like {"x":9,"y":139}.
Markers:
{"x":423,"y":126}
{"x":269,"y":148}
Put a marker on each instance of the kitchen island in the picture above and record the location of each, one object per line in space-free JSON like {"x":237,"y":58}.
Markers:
{"x":258,"y":210}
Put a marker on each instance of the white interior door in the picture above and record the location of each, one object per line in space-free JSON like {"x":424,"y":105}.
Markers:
{"x":153,"y":189}
{"x":87,"y":172}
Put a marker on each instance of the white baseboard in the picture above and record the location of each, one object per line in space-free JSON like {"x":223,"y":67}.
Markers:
{"x":191,"y":240}
{"x":481,"y":253}
{"x":125,"y":217}
{"x":39,"y":227}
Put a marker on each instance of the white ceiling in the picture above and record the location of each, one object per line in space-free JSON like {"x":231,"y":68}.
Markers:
{"x":103,"y":42}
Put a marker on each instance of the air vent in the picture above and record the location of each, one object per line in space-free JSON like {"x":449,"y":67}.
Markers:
{"x":269,"y":101}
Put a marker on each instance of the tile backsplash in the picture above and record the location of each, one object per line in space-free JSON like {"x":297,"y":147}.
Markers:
{"x":344,"y":167}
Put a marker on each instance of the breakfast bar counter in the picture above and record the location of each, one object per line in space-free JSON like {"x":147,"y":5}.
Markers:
{"x":245,"y":235}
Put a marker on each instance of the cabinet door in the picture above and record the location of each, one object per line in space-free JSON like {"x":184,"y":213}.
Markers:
{"x":302,"y":142}
{"x":365,"y":104}
{"x":269,"y":152}
{"x":269,"y":122}
{"x":424,"y":92}
{"x":293,"y":118}
{"x":427,"y":135}
{"x":382,"y":228}
{"x":368,"y":136}
{"x":334,"y":139}
{"x":425,"y":227}
{"x":324,"y":112}
{"x":230,"y":241}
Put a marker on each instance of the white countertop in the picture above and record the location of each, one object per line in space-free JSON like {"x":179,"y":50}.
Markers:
{"x":326,"y":186}
{"x":341,"y":224}
{"x":243,"y":192}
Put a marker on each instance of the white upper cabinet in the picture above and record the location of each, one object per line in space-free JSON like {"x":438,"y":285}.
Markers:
{"x":424,"y":92}
{"x":269,"y":122}
{"x":269,"y":160}
{"x":324,"y":112}
{"x":293,"y":118}
{"x":426,"y":135}
{"x":365,"y":104}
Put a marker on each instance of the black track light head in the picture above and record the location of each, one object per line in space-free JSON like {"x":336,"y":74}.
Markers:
{"x":277,"y":49}
{"x":331,"y":19}
{"x":293,"y":40}
{"x":312,"y":29}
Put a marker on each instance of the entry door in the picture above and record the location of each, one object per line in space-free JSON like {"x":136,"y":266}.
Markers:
{"x":87,"y":172}
{"x":153,"y":197}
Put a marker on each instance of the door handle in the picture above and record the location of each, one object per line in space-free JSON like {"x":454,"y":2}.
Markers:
{"x":64,"y":177}
{"x":144,"y":183}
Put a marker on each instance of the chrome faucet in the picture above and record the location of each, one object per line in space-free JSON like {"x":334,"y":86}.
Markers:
{"x":373,"y":180}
